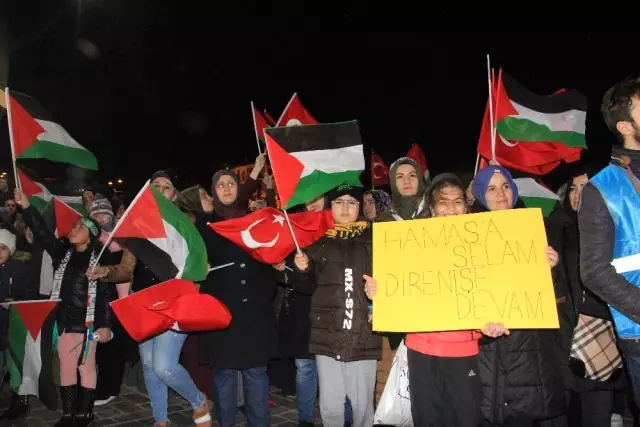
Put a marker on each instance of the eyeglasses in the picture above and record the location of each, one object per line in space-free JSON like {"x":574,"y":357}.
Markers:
{"x":348,"y":203}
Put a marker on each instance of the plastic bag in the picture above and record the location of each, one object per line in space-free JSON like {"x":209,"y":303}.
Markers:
{"x":394,"y":408}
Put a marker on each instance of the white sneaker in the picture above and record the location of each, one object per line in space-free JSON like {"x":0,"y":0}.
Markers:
{"x":616,"y":420}
{"x":103,"y":402}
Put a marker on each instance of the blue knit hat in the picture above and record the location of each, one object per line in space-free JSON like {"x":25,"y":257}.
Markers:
{"x":482,"y":179}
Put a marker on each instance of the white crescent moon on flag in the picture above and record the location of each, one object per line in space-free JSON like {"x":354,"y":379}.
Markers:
{"x":375,"y":166}
{"x":294,"y":122}
{"x":251,"y":243}
{"x":507,"y":143}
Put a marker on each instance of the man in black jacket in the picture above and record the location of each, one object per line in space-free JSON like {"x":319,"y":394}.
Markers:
{"x":610,"y":225}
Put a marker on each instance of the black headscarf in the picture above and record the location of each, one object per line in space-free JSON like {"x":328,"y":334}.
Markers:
{"x":234,"y":210}
{"x":406,"y":206}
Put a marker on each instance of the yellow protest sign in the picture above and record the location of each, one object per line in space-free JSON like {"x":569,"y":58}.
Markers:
{"x":460,"y":272}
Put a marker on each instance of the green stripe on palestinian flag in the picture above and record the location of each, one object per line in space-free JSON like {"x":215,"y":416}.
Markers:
{"x":308,"y":161}
{"x":35,"y":136}
{"x":528,"y":117}
{"x":30,"y":337}
{"x":534,"y":195}
{"x":162,"y":228}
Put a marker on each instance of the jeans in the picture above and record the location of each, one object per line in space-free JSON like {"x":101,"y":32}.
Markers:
{"x":255,"y":385}
{"x":160,"y":356}
{"x":307,"y":392}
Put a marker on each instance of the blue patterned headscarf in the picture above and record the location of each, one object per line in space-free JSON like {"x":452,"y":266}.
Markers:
{"x":482,"y":179}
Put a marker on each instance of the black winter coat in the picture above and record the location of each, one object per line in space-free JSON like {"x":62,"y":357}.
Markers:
{"x":247,"y":288}
{"x":72,"y":310}
{"x":13,"y":286}
{"x":340,"y":327}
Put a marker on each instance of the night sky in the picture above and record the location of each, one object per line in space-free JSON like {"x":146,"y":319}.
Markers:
{"x":152,"y":84}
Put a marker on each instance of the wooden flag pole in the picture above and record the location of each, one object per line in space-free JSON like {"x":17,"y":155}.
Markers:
{"x":291,"y":230}
{"x":493,"y":129}
{"x":11,"y":141}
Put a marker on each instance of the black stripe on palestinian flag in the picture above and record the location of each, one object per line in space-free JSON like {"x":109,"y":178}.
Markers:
{"x":559,"y":102}
{"x":154,"y":258}
{"x":308,"y":161}
{"x":36,"y":136}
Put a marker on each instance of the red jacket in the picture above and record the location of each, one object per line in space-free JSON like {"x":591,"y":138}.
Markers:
{"x":445,"y":344}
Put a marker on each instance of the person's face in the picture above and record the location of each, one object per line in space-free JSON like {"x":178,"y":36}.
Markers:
{"x":11,"y":206}
{"x":406,"y":180}
{"x":575,"y":191}
{"x":345,"y":209}
{"x":79,"y":234}
{"x":449,"y":201}
{"x":88,"y":198}
{"x":165,"y":186}
{"x":369,"y":207}
{"x":4,"y":253}
{"x":499,"y":195}
{"x":315,"y":205}
{"x":102,"y":219}
{"x":227,"y":189}
{"x":4,"y":185}
{"x":206,"y":201}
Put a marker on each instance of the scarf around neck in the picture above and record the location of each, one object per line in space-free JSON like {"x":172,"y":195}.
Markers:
{"x":347,"y":231}
{"x":91,"y":297}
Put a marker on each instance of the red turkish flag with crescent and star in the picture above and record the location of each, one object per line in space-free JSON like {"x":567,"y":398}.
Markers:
{"x":379,"y":170}
{"x":265,"y":234}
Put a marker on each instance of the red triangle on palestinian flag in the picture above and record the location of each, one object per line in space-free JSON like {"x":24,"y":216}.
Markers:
{"x":29,"y":188}
{"x":33,"y":314}
{"x":289,"y":169}
{"x":24,"y":127}
{"x":295,"y":114}
{"x":143,"y":220}
{"x":66,"y":217}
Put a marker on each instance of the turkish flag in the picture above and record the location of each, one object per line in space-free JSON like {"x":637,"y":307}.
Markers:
{"x":379,"y":171}
{"x":156,"y":309}
{"x":265,"y":234}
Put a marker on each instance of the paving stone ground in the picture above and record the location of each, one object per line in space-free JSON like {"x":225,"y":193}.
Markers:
{"x":131,"y":409}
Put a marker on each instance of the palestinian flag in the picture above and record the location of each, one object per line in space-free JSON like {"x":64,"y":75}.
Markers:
{"x":308,"y":161}
{"x":59,"y":212}
{"x":162,"y":237}
{"x":534,"y":133}
{"x":35,"y":136}
{"x":534,"y":195}
{"x":295,"y":114}
{"x":259,"y":123}
{"x":31,"y":350}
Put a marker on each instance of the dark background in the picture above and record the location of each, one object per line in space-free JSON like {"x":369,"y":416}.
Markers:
{"x":150,"y":84}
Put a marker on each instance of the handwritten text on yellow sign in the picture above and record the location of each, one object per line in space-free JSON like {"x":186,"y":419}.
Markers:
{"x":461,"y":272}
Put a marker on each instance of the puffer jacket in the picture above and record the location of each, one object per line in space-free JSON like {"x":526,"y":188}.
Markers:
{"x":72,"y":310}
{"x":340,"y":326}
{"x":521,"y":376}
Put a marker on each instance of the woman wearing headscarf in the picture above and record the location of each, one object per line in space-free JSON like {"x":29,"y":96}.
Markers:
{"x":375,"y":204}
{"x":520,"y":375}
{"x":84,"y":308}
{"x":407,"y":202}
{"x":246,"y":287}
{"x":160,"y":354}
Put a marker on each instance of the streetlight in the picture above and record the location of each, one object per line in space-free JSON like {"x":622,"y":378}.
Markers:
{"x":120,"y":181}
{"x":110,"y":183}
